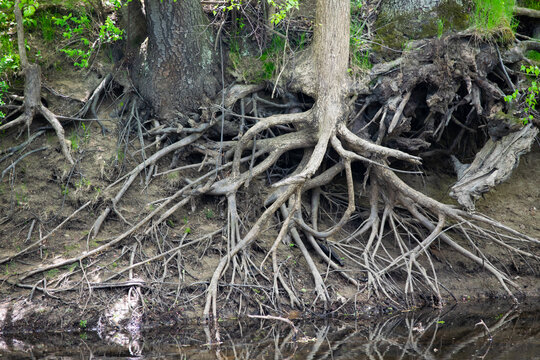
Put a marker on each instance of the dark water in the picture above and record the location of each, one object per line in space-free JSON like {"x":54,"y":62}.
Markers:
{"x":452,"y":333}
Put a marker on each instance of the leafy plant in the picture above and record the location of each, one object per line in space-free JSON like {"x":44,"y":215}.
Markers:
{"x":209,"y":214}
{"x":78,"y":30}
{"x":109,"y":33}
{"x":282,"y":9}
{"x":83,"y":182}
{"x":530,"y":95}
{"x":440,"y":28}
{"x":3,"y":90}
{"x":83,"y":323}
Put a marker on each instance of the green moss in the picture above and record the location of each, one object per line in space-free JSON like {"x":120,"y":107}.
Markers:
{"x":454,"y":16}
{"x":394,"y":31}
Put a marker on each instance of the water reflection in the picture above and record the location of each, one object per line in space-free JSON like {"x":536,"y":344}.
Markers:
{"x":487,"y":331}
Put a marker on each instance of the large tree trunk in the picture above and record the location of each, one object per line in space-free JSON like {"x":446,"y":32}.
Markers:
{"x":331,"y":46}
{"x":177,"y":64}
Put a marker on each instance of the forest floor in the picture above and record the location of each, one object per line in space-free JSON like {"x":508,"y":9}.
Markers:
{"x":43,"y":190}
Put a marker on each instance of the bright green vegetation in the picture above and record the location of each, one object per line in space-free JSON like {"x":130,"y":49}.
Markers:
{"x":492,"y":16}
{"x":531,"y":94}
{"x":9,"y":57}
{"x":358,"y":47}
{"x":533,"y":55}
{"x":78,"y":30}
{"x":3,"y":90}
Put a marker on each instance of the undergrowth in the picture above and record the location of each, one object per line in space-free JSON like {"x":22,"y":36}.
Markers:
{"x":359,"y":48}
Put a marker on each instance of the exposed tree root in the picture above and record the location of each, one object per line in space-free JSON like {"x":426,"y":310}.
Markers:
{"x":344,"y":175}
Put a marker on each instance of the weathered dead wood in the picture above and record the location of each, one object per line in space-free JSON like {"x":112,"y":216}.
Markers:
{"x":492,"y":165}
{"x":520,"y":11}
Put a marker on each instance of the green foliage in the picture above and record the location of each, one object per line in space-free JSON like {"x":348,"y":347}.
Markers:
{"x":493,"y":15}
{"x":270,"y":56}
{"x":9,"y":56}
{"x":440,"y":27}
{"x":52,"y":273}
{"x":117,"y":3}
{"x":3,"y":90}
{"x":356,"y":5}
{"x":47,"y":26}
{"x":209,"y":214}
{"x":79,"y":30}
{"x":533,"y":55}
{"x":82,"y":183}
{"x":255,"y":69}
{"x":83,"y":323}
{"x":530,"y":95}
{"x":120,"y":155}
{"x":358,"y":47}
{"x":282,"y":7}
{"x":74,"y":139}
{"x":76,"y":26}
{"x":109,"y":33}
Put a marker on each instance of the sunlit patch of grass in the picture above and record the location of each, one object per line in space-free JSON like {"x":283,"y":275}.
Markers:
{"x":494,"y":18}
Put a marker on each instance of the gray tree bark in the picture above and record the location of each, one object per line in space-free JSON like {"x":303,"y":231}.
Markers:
{"x":177,"y":64}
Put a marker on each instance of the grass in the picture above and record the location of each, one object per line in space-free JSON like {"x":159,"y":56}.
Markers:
{"x":358,"y":47}
{"x":494,"y":16}
{"x":47,"y":26}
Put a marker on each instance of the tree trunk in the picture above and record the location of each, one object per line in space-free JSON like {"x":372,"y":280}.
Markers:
{"x":177,"y":65}
{"x":332,"y":58}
